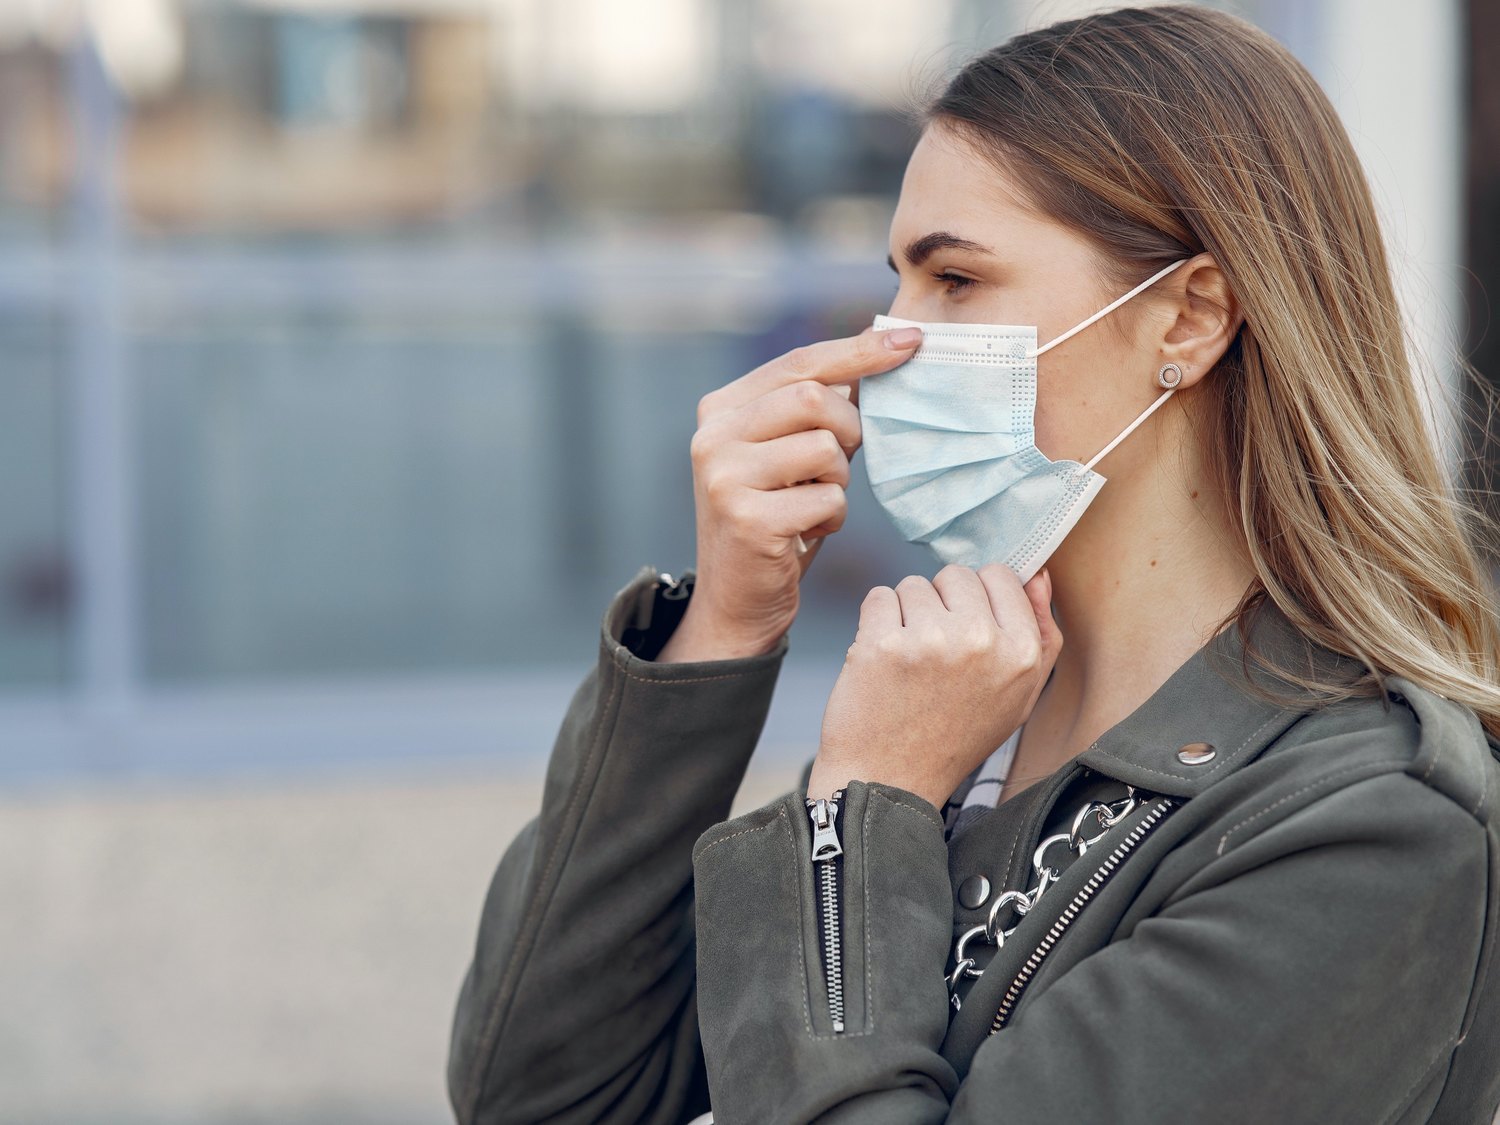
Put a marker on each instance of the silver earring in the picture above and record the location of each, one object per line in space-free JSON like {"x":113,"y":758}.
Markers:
{"x":1162,"y":379}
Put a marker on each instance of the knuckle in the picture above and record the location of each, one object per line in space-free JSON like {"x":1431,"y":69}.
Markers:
{"x":800,"y":359}
{"x":707,"y":406}
{"x":976,"y":640}
{"x":808,"y":395}
{"x":1028,"y":654}
{"x":998,"y":571}
{"x":718,"y":488}
{"x":931,"y":639}
{"x":736,"y":506}
{"x":700,"y":447}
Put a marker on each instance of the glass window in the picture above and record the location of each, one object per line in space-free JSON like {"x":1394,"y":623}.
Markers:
{"x":36,"y":582}
{"x":422,"y":297}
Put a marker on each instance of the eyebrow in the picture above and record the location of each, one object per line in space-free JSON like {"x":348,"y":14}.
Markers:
{"x":920,"y":249}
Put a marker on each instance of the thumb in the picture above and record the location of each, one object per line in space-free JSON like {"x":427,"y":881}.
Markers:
{"x":1039,"y":593}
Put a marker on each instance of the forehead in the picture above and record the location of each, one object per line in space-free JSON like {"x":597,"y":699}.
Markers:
{"x":949,"y":187}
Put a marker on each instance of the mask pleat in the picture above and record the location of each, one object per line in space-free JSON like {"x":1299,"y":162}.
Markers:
{"x":913,"y":450}
{"x":935,"y":396}
{"x":926,"y":512}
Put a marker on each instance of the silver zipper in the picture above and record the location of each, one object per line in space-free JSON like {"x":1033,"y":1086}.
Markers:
{"x":825,"y":852}
{"x":1100,"y":876}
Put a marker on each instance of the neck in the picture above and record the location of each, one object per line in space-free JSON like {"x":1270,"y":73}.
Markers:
{"x":1140,"y":585}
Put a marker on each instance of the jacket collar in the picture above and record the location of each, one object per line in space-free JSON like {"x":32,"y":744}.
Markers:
{"x":1207,"y":701}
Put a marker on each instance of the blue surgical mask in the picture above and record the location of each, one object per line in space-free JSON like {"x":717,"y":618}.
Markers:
{"x":950,"y":444}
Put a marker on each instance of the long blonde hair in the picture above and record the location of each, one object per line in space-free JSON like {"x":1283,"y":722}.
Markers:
{"x":1164,"y":132}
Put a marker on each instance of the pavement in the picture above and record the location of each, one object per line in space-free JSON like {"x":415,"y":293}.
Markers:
{"x":287,"y":953}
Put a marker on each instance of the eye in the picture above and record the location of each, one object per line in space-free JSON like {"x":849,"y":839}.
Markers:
{"x":957,"y":283}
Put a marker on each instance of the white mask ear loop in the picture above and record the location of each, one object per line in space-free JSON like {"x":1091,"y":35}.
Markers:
{"x":1106,"y":310}
{"x":1128,"y":430}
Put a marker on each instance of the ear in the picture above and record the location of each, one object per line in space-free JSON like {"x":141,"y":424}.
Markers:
{"x":1202,"y":319}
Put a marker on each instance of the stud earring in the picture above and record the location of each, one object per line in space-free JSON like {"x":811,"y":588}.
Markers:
{"x":1169,"y":382}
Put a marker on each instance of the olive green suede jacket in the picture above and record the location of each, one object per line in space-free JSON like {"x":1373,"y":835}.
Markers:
{"x":1297,"y":921}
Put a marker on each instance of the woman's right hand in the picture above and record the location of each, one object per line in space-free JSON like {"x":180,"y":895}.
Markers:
{"x":771,"y":462}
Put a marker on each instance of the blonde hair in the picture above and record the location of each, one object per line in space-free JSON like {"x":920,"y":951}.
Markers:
{"x":1168,"y":131}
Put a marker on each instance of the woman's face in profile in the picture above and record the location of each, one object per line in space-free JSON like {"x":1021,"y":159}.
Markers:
{"x":966,"y":247}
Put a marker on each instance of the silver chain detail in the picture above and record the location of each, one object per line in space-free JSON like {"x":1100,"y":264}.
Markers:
{"x":1107,"y":813}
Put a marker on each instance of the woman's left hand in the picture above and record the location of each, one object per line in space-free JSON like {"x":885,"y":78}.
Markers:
{"x":939,"y":674}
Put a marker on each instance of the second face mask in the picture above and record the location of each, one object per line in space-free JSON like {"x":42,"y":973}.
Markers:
{"x":950,"y":445}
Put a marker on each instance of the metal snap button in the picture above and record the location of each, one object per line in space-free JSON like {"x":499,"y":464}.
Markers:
{"x":1196,"y":753}
{"x":973,"y":891}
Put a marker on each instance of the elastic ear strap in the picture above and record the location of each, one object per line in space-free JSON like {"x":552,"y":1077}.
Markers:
{"x":1106,"y":310}
{"x":1128,"y":430}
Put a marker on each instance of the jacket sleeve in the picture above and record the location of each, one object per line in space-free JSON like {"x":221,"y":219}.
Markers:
{"x":766,"y":985}
{"x":579,"y":1003}
{"x":1317,"y":971}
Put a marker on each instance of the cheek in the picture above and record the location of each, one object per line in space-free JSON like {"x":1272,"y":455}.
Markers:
{"x":1072,"y":413}
{"x":1062,"y":413}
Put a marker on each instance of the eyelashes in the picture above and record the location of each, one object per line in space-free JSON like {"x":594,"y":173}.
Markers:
{"x":955,"y":283}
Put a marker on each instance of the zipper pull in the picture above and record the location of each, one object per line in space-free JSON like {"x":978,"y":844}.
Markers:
{"x":824,"y":812}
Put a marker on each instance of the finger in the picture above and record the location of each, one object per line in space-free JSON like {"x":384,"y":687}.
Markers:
{"x":1039,"y":593}
{"x":824,"y":361}
{"x":1008,"y":601}
{"x":880,"y":612}
{"x":962,"y":591}
{"x":784,"y":461}
{"x":919,"y":601}
{"x":799,"y":510}
{"x":827,"y":527}
{"x":805,"y":405}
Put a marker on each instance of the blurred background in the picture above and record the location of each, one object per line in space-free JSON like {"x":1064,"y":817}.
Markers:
{"x":349,"y":354}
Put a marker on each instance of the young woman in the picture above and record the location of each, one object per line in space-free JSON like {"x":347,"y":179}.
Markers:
{"x":1172,"y":797}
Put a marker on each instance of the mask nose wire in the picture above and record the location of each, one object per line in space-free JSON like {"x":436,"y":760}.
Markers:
{"x":1105,"y":311}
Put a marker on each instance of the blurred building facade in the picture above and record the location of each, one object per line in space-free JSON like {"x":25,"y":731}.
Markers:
{"x":353,"y":345}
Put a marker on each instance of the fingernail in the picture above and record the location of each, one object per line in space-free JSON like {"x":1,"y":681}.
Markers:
{"x":899,"y":339}
{"x":843,"y":389}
